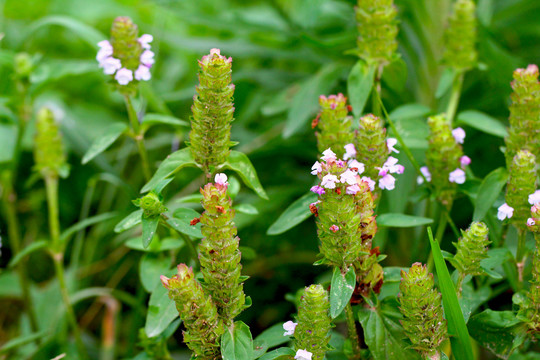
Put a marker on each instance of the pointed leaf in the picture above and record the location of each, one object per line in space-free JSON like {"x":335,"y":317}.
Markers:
{"x":149,"y":227}
{"x":240,"y":163}
{"x":237,"y":343}
{"x":273,"y":336}
{"x":297,"y":212}
{"x":489,"y":191}
{"x":445,"y":82}
{"x":248,"y":209}
{"x":341,"y":290}
{"x":161,"y":311}
{"x":410,"y":111}
{"x":96,"y":219}
{"x":35,"y":246}
{"x":181,"y":219}
{"x":160,"y":119}
{"x":283,"y":353}
{"x":482,"y":122}
{"x":150,"y":268}
{"x":402,"y":220}
{"x":129,"y":221}
{"x":359,"y":85}
{"x":171,"y":165}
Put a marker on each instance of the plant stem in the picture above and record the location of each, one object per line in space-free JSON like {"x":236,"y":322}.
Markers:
{"x":443,"y":220}
{"x":376,"y":91}
{"x":454,"y":97}
{"x":520,"y":253}
{"x":57,"y":253}
{"x":459,"y":284}
{"x":138,"y":137}
{"x":353,"y":334}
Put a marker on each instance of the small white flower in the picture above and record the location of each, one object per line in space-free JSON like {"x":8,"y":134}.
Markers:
{"x":348,"y":177}
{"x":387,"y":182}
{"x":289,"y":327}
{"x":391,"y":165}
{"x":530,"y":222}
{"x":221,"y":179}
{"x":353,"y":189}
{"x":143,"y":73}
{"x":459,"y":135}
{"x":371,"y":183}
{"x":353,"y":164}
{"x":505,"y":211}
{"x":390,"y":143}
{"x":145,"y":40}
{"x":303,"y":355}
{"x":316,"y":168}
{"x":425,"y":171}
{"x":110,"y":65}
{"x":328,"y":154}
{"x":104,"y":44}
{"x":350,"y":152}
{"x":464,"y":161}
{"x":104,"y":53}
{"x":534,"y":198}
{"x":457,"y":176}
{"x":124,"y":76}
{"x":329,"y":181}
{"x":147,"y":58}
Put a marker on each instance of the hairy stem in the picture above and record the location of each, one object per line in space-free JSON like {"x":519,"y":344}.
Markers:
{"x":520,"y":254}
{"x":353,"y":334}
{"x":138,"y":137}
{"x":459,"y":284}
{"x":454,"y":97}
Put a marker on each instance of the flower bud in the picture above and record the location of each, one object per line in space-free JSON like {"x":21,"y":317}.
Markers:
{"x":150,"y":204}
{"x":125,"y":42}
{"x":197,"y":311}
{"x":314,"y":323}
{"x":219,"y":254}
{"x":48,"y":148}
{"x":460,"y":36}
{"x":422,"y":310}
{"x":471,"y":249}
{"x":377,"y":30}
{"x":334,"y":124}
{"x":521,"y":183}
{"x":212,"y":112}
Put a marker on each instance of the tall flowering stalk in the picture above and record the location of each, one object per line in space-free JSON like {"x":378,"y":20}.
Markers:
{"x":524,"y":131}
{"x":312,"y":332}
{"x":334,"y":124}
{"x":422,"y":310}
{"x":218,"y":251}
{"x":213,"y":112}
{"x":198,"y":312}
{"x":521,"y":183}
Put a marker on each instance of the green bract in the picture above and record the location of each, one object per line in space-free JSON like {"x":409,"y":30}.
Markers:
{"x":314,"y":323}
{"x":370,"y":144}
{"x":334,"y":124}
{"x":460,"y":36}
{"x":150,"y":204}
{"x":422,"y":310}
{"x":521,"y":183}
{"x":48,"y":148}
{"x":471,"y":249}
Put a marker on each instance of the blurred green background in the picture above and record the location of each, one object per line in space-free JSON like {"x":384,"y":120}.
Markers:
{"x":285,"y":54}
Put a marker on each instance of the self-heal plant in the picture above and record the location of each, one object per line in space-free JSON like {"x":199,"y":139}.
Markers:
{"x":422,"y":310}
{"x":213,"y":112}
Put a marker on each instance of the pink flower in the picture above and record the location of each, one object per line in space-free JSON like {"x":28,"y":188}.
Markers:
{"x":352,"y":190}
{"x":143,"y":73}
{"x":530,"y":222}
{"x":105,"y":50}
{"x":124,"y":76}
{"x":505,"y":211}
{"x":110,"y":65}
{"x":329,"y":181}
{"x":289,"y":327}
{"x":459,"y":135}
{"x":534,"y":198}
{"x":390,"y":143}
{"x":350,"y":151}
{"x":317,"y":190}
{"x":425,"y":171}
{"x":334,"y":228}
{"x":348,"y":177}
{"x":391,"y":165}
{"x":457,"y":176}
{"x":316,"y":168}
{"x":340,"y":163}
{"x":387,"y":182}
{"x":147,"y":58}
{"x":371,"y":183}
{"x":145,"y":40}
{"x":221,"y":179}
{"x":328,"y":154}
{"x":464,"y":160}
{"x":353,"y":164}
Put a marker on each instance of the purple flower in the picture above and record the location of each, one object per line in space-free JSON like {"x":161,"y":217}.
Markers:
{"x":303,"y":355}
{"x":317,"y":189}
{"x":387,"y":182}
{"x":353,"y":189}
{"x":505,"y":211}
{"x":329,"y":181}
{"x":145,"y":40}
{"x":289,"y":327}
{"x":350,"y":152}
{"x":534,"y":198}
{"x":110,"y":65}
{"x":371,"y":183}
{"x":464,"y":160}
{"x":390,"y":143}
{"x":124,"y":76}
{"x":316,"y":168}
{"x":147,"y":58}
{"x":530,"y":222}
{"x":353,"y":164}
{"x":348,"y":177}
{"x":459,"y":135}
{"x":457,"y":176}
{"x":328,"y":154}
{"x":143,"y":73}
{"x":105,"y":50}
{"x":334,"y":228}
{"x":221,"y":179}
{"x":425,"y":171}
{"x":391,"y":165}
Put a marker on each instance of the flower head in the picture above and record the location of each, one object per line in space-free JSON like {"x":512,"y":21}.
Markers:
{"x":464,"y":161}
{"x":289,"y":327}
{"x":534,"y":198}
{"x":316,"y":168}
{"x":303,"y":355}
{"x":457,"y":176}
{"x":329,"y":181}
{"x":124,"y":76}
{"x":350,"y":152}
{"x":221,"y":179}
{"x":371,"y":183}
{"x":328,"y":154}
{"x":317,"y":190}
{"x":390,"y":143}
{"x":360,"y":168}
{"x":505,"y":211}
{"x":459,"y":135}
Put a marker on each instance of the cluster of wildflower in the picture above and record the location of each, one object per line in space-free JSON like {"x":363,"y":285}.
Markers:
{"x":422,"y":310}
{"x":334,"y":124}
{"x":520,"y":189}
{"x":126,"y":56}
{"x":471,"y":249}
{"x":445,"y":159}
{"x":213,"y":111}
{"x":377,"y":30}
{"x":460,"y":36}
{"x":524,"y":131}
{"x":48,"y":150}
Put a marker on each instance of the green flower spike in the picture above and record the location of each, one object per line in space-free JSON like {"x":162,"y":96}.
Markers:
{"x":471,"y":249}
{"x":530,"y":309}
{"x":334,"y":124}
{"x":219,"y":254}
{"x":197,"y":311}
{"x":442,"y":158}
{"x":521,"y":183}
{"x":370,"y":144}
{"x":314,"y":323}
{"x":150,"y":204}
{"x":524,"y":131}
{"x":212,"y":112}
{"x":460,"y":37}
{"x":48,"y":150}
{"x":377,"y":30}
{"x":422,"y":310}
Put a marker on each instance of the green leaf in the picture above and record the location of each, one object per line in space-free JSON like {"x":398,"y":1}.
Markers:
{"x":259,"y":349}
{"x":248,"y":209}
{"x":459,"y":336}
{"x":283,"y":353}
{"x":297,"y":212}
{"x":160,"y":119}
{"x":240,"y":163}
{"x":8,"y":136}
{"x":237,"y":343}
{"x":305,"y":102}
{"x":150,"y":269}
{"x":38,"y":245}
{"x":482,"y":122}
{"x":395,"y":75}
{"x":162,"y":245}
{"x":410,"y":111}
{"x":161,"y":311}
{"x":489,"y":191}
{"x":402,"y":220}
{"x":273,"y":336}
{"x":96,"y":219}
{"x":498,"y":331}
{"x":171,"y":165}
{"x":109,"y":136}
{"x":359,"y":86}
{"x":445,"y":82}
{"x":129,"y":221}
{"x":341,"y":290}
{"x":180,"y":222}
{"x":149,"y":227}
{"x":382,"y":332}
{"x":23,"y":340}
